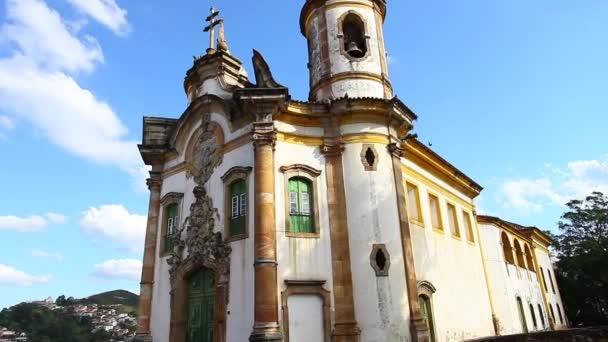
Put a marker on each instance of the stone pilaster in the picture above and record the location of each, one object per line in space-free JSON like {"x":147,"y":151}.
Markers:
{"x":418,"y":328}
{"x":147,"y":272}
{"x":266,"y":326}
{"x":345,"y":327}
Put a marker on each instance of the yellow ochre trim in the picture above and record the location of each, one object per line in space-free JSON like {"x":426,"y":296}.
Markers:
{"x":299,"y":139}
{"x":430,"y":184}
{"x":371,"y":138}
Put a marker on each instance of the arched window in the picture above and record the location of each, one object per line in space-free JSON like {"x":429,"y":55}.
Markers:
{"x":354,"y":37}
{"x":551,"y":281}
{"x":552,"y":312}
{"x":300,"y":205}
{"x":533,"y":316}
{"x":522,"y":316}
{"x":559,"y":312}
{"x":542,"y":317}
{"x":238,"y":207}
{"x":519,"y":254}
{"x":506,"y":248}
{"x":426,"y":311}
{"x":529,"y":259}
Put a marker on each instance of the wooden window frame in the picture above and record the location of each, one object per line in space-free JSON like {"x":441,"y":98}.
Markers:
{"x":458,"y":235}
{"x":441,"y":227}
{"x":471,"y":232}
{"x":418,"y":203}
{"x":311,"y":174}
{"x":232,"y":175}
{"x":167,"y":200}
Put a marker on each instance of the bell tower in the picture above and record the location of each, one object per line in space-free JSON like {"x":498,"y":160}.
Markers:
{"x":346,"y":53}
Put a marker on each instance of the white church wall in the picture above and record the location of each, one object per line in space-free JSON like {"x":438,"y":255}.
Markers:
{"x":302,"y":258}
{"x":339,"y":63}
{"x":161,"y":300}
{"x":381,"y":304}
{"x":508,"y":282}
{"x":241,"y":291}
{"x":305,"y":318}
{"x":553,"y":298}
{"x":453,"y":266}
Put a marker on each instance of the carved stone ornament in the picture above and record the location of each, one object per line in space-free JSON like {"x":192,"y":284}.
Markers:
{"x":196,"y":242}
{"x":264,"y":133}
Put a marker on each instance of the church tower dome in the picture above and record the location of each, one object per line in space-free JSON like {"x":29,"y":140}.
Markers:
{"x":346,"y":49}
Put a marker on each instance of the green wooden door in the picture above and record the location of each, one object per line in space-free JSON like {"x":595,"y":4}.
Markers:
{"x":201,"y":302}
{"x":427,"y":314}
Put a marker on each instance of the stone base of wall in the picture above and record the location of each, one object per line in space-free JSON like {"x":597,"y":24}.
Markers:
{"x":579,"y":335}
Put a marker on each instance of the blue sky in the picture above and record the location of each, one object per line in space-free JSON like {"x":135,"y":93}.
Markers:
{"x":511,"y":92}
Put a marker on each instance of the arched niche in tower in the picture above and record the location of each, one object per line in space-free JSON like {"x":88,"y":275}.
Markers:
{"x":353,"y":36}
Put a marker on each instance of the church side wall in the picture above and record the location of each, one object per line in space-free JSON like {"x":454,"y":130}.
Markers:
{"x":509,"y":282}
{"x":302,"y":258}
{"x":381,"y":303}
{"x":461,"y":305}
{"x":553,"y":298}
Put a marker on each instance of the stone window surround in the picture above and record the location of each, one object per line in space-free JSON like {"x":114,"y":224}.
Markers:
{"x":340,"y":24}
{"x":232,"y":175}
{"x":166,"y":201}
{"x":366,"y":165}
{"x":380,"y":272}
{"x":306,"y":287}
{"x":311,"y":174}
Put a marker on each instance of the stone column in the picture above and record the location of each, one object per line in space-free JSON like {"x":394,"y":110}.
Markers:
{"x":418,"y":328}
{"x":345,"y":327}
{"x":147,"y":272}
{"x":266,"y":325}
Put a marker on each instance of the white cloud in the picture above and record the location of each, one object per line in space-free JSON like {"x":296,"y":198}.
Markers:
{"x":106,"y":12}
{"x":56,"y":218}
{"x":129,"y":269}
{"x":114,"y":222}
{"x":36,"y":85}
{"x":45,"y":254}
{"x":22,"y":224}
{"x":6,"y":122}
{"x":42,"y":35}
{"x":577,"y":180}
{"x":30,"y":223}
{"x":13,"y":276}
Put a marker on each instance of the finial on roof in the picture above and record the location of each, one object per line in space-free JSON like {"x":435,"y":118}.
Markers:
{"x":214,"y":21}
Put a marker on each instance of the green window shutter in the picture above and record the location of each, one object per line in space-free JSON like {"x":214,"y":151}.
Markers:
{"x":238,"y":212}
{"x":172,"y":224}
{"x":300,"y":205}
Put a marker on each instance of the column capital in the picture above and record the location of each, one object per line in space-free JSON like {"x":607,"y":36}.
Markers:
{"x":396,"y":150}
{"x":332,"y":147}
{"x":264,"y":133}
{"x":155,"y":181}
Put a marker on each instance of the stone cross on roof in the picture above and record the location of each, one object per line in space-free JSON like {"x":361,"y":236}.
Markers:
{"x":214,"y":21}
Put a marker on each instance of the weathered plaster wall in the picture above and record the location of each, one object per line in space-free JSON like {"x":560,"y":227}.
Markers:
{"x":509,"y":282}
{"x":240,"y":306}
{"x":553,"y":298}
{"x":381,"y":304}
{"x":461,"y":304}
{"x":302,"y":258}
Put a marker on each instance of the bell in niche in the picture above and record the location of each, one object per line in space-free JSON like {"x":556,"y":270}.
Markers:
{"x":354,"y":51}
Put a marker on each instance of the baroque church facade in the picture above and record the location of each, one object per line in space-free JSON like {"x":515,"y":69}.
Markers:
{"x":273,"y":219}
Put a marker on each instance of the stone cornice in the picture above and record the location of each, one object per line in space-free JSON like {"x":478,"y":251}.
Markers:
{"x":301,"y":167}
{"x":264,"y":133}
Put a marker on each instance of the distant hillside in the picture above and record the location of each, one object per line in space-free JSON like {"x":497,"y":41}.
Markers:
{"x":114,"y":297}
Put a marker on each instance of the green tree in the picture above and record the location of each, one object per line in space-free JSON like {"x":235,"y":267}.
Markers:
{"x":582,"y":260}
